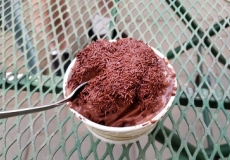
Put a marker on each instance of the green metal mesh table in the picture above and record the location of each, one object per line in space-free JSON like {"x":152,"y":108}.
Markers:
{"x":193,"y":34}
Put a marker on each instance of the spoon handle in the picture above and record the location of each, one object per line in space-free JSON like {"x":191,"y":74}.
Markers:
{"x":18,"y":112}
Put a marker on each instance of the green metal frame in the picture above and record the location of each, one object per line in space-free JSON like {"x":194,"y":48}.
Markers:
{"x":186,"y":17}
{"x":176,"y":141}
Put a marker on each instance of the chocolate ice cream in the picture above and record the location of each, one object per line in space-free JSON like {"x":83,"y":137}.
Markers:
{"x":128,"y":83}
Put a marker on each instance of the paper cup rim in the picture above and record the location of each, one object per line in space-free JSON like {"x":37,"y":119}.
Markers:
{"x":120,"y":129}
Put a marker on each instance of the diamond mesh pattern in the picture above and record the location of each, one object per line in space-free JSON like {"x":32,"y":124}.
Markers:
{"x":192,"y":34}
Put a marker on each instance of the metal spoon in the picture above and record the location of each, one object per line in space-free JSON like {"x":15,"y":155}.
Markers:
{"x":18,"y":112}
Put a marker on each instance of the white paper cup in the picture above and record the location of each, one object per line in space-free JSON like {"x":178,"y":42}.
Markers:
{"x":120,"y":135}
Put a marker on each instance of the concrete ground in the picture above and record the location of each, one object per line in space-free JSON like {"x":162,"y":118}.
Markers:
{"x":46,"y":133}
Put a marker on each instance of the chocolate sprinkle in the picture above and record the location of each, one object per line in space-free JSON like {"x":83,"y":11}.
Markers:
{"x":128,"y":82}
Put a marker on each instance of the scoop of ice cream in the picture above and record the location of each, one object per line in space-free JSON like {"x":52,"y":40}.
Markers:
{"x":128,"y":82}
